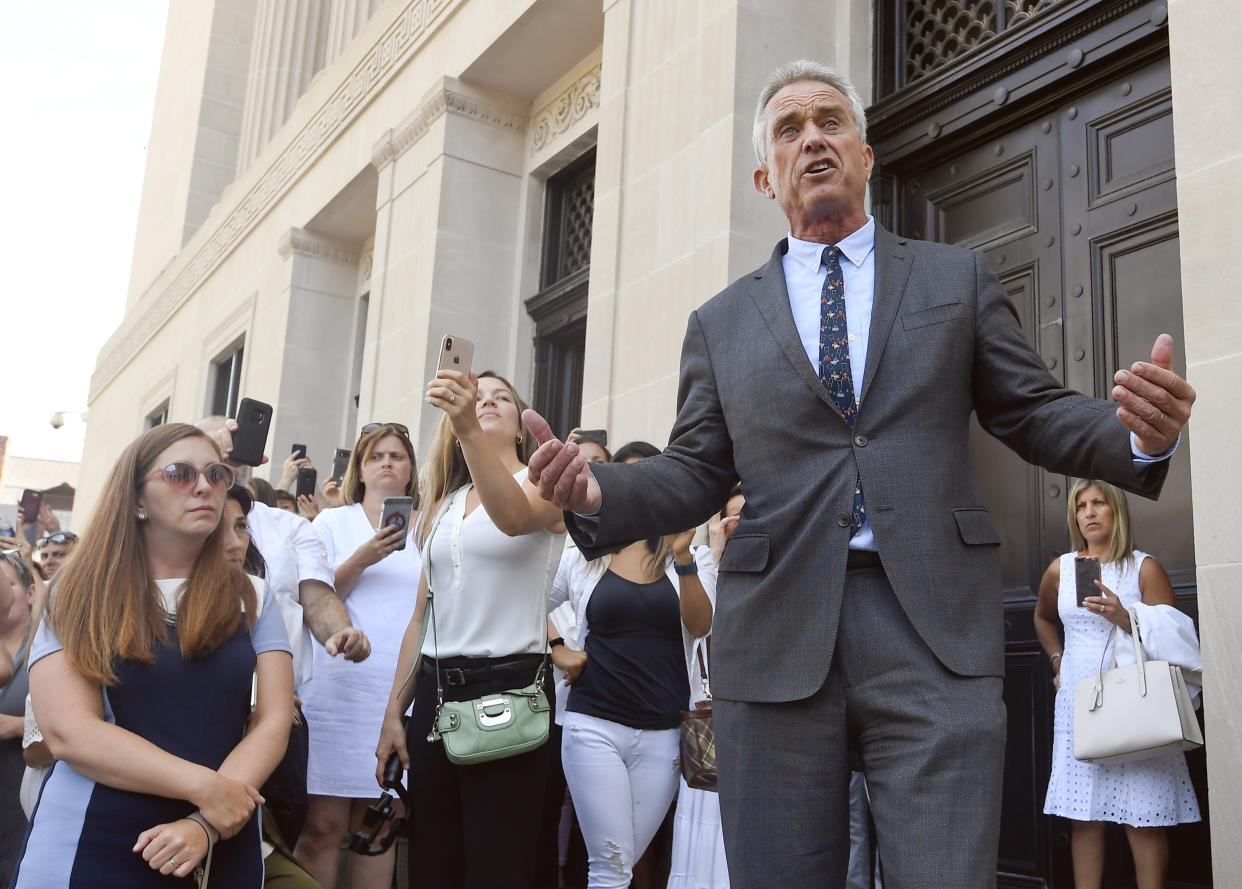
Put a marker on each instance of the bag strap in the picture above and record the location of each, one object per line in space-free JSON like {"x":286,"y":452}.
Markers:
{"x":1139,"y":658}
{"x":698,"y":650}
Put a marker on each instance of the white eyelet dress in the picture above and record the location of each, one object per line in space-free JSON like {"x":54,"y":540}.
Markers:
{"x":1148,"y":793}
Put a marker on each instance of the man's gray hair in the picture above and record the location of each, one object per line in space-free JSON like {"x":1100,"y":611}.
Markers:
{"x":792,"y":72}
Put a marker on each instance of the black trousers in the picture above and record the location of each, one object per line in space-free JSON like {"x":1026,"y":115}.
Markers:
{"x":473,"y":827}
{"x":285,"y":789}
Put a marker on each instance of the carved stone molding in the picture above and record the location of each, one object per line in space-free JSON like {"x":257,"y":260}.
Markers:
{"x":446,"y":100}
{"x":368,"y":259}
{"x":565,"y":110}
{"x":303,"y":243}
{"x":408,"y":31}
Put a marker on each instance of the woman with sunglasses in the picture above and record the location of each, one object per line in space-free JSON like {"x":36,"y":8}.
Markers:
{"x":163,"y":684}
{"x":492,"y":556}
{"x":377,"y":576}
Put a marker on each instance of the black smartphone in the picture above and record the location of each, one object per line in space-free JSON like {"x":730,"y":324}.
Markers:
{"x":339,"y":464}
{"x":396,"y":514}
{"x":307,"y":476}
{"x":250,"y":439}
{"x":31,"y":503}
{"x":1086,"y":571}
{"x":596,"y":435}
{"x":299,"y":451}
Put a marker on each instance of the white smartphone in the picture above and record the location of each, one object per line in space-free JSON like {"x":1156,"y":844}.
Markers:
{"x":456,"y":353}
{"x":396,"y":513}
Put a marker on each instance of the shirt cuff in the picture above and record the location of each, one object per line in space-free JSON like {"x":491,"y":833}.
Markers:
{"x":1141,"y":459}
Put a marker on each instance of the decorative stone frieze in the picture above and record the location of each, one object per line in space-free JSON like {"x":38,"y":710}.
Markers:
{"x":304,"y":243}
{"x":445,"y":100}
{"x":565,"y":110}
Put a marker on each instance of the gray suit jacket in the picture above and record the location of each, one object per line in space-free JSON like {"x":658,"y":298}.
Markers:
{"x":944,"y":341}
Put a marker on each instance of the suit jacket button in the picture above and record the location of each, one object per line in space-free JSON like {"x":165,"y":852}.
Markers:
{"x":843,"y":520}
{"x":860,"y":440}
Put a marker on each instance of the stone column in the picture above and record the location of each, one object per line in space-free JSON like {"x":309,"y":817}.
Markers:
{"x":1209,"y":187}
{"x":287,"y":50}
{"x":346,"y":20}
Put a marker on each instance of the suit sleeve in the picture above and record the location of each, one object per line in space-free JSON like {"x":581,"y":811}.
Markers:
{"x":675,"y":490}
{"x":1017,"y":400}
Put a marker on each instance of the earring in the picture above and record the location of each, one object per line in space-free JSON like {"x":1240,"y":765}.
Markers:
{"x":142,"y":516}
{"x":518,"y":439}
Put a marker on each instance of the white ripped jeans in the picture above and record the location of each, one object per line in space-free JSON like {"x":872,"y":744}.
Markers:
{"x":622,"y":781}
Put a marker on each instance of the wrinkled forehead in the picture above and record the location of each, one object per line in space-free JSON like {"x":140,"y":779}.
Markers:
{"x":802,"y":97}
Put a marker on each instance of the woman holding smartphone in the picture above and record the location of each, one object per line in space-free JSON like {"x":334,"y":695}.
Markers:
{"x":163,"y":683}
{"x":377,"y":570}
{"x":1146,"y":796}
{"x":492,"y":554}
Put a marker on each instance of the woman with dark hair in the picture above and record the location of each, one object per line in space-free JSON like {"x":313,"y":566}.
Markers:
{"x":377,"y":576}
{"x":1146,"y":796}
{"x":639,"y":613}
{"x":491,"y":557}
{"x":163,"y":686}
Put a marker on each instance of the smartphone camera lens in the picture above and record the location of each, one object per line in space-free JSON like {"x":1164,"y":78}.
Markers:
{"x":256,"y":416}
{"x":448,"y":343}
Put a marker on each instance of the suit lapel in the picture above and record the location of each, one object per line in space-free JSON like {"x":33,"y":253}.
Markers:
{"x":771,"y":295}
{"x":893,"y":261}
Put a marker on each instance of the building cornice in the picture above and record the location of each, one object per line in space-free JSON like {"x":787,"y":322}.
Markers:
{"x":304,"y":243}
{"x":552,"y":120}
{"x":408,"y":31}
{"x":443,"y":100}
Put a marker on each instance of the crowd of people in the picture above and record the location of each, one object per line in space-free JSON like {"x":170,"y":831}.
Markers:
{"x":212,"y":682}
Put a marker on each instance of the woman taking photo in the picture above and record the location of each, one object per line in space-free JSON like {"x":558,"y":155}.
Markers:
{"x":377,"y":576}
{"x":491,"y":558}
{"x":163,"y":686}
{"x":1145,"y":796}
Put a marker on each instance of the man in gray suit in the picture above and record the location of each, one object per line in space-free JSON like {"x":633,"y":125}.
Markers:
{"x":858,"y":600}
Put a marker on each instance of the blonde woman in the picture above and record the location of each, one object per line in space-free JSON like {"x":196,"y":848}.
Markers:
{"x":377,"y":576}
{"x":1146,"y":796}
{"x":163,"y":685}
{"x":491,"y":559}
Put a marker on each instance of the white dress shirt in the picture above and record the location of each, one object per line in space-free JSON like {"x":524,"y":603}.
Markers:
{"x":293,"y":552}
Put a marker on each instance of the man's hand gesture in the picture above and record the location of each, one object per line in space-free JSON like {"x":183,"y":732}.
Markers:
{"x":560,"y":473}
{"x":1154,"y":403}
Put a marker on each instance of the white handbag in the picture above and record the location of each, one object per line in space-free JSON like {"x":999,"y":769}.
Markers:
{"x":1136,"y":711}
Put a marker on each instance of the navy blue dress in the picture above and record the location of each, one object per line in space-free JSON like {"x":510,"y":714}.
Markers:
{"x":81,"y":833}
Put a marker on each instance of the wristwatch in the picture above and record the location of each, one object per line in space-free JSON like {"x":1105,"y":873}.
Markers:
{"x":686,"y":570}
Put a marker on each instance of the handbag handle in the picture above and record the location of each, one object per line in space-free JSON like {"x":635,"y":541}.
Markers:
{"x":1139,"y":660}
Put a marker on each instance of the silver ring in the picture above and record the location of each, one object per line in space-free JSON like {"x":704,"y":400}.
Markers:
{"x":1161,"y":420}
{"x":452,"y":398}
{"x":173,"y":863}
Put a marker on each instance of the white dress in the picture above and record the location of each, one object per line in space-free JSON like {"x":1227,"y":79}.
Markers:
{"x":1148,"y":793}
{"x":343,"y":701}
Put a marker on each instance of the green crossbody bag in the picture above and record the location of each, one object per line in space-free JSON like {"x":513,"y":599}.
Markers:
{"x":496,"y":725}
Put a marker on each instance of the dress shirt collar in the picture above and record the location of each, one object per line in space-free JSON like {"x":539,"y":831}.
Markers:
{"x":855,"y":247}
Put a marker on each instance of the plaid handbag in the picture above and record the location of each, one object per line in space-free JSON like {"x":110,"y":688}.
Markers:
{"x":698,"y":738}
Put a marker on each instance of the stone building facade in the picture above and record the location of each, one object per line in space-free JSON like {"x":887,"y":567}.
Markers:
{"x":333,"y":185}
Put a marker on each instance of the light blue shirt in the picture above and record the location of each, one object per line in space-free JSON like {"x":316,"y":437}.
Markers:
{"x":804,"y":279}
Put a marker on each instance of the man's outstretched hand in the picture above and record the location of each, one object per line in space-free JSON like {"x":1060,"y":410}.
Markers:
{"x":561,"y":474}
{"x":1154,"y":403}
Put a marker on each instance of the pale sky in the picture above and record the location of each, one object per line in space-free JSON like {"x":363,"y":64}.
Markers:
{"x":81,"y":78}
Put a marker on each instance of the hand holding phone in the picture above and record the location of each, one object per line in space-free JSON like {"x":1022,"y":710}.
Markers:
{"x":31,"y":501}
{"x":307,"y":477}
{"x":250,"y":439}
{"x":1086,"y":572}
{"x":299,"y":450}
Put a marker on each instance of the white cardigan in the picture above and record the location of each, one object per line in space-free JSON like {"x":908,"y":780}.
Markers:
{"x":577,"y":578}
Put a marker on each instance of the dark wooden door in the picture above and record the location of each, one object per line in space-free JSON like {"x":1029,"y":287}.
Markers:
{"x":1075,"y":209}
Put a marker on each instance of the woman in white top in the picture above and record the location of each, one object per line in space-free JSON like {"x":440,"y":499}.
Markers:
{"x":492,"y":549}
{"x":377,"y":576}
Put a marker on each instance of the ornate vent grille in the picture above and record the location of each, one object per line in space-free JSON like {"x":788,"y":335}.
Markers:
{"x":579,"y":207}
{"x":938,"y":31}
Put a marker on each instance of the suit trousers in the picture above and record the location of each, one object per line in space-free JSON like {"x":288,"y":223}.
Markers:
{"x":932,"y":747}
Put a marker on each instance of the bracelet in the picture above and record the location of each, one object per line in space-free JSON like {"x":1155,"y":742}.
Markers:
{"x":1055,"y":658}
{"x":686,"y":570}
{"x":212,"y":834}
{"x":552,"y":643}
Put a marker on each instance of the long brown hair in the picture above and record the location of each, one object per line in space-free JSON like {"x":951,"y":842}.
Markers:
{"x":106,"y":606}
{"x":352,"y":488}
{"x":446,"y":468}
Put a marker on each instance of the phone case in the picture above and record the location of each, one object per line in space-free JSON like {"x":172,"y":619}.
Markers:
{"x":250,"y":439}
{"x":456,"y":353}
{"x":306,"y":481}
{"x":1085,"y":571}
{"x":340,"y":463}
{"x":397,"y":512}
